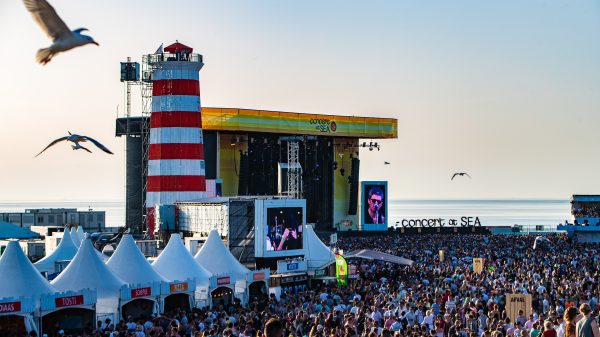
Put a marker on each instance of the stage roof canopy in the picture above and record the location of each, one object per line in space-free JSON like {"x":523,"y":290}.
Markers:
{"x":292,"y":123}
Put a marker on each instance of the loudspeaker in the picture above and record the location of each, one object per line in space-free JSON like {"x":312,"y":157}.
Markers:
{"x":353,"y":204}
{"x":244,"y":172}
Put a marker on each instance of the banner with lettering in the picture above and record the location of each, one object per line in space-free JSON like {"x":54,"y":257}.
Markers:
{"x":341,"y":270}
{"x":516,"y":302}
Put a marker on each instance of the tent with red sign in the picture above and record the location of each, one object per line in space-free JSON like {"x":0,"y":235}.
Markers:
{"x":88,"y":271}
{"x":217,"y":259}
{"x":177,"y":264}
{"x":258,"y":284}
{"x":138,"y":297}
{"x":64,"y":252}
{"x":222,"y":290}
{"x":318,"y":255}
{"x":73,"y":311}
{"x":20,"y":290}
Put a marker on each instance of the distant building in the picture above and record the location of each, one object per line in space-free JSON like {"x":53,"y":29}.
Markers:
{"x":91,"y":221}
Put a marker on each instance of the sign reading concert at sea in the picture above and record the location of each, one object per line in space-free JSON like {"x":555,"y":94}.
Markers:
{"x":516,"y":302}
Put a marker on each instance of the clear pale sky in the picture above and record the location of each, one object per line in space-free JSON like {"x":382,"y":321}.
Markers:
{"x":508,"y":91}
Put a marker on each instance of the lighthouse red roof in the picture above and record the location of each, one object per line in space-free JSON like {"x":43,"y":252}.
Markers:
{"x":178,"y":47}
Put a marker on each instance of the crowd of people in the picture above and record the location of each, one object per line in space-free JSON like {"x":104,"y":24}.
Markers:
{"x":586,"y":211}
{"x":431,"y":298}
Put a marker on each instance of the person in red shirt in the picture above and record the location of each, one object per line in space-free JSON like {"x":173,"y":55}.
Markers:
{"x":549,"y":329}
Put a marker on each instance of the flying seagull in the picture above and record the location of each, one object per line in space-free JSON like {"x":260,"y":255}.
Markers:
{"x":76,"y":139}
{"x":460,"y":174}
{"x":63,"y":39}
{"x":386,"y":163}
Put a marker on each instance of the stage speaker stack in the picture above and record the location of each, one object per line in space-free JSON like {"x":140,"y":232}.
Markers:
{"x":244,"y":172}
{"x":354,"y":175}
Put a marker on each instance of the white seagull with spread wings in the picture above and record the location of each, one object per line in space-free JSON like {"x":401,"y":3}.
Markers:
{"x":62,"y":37}
{"x":76,"y":139}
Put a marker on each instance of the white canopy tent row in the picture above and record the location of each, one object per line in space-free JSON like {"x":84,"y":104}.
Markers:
{"x":177,"y":264}
{"x":25,"y":293}
{"x":217,"y":259}
{"x":65,"y":251}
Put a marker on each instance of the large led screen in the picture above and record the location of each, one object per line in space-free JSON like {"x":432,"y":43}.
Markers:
{"x":374,"y":205}
{"x":284,"y":229}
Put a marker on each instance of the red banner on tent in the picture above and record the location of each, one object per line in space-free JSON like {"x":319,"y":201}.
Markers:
{"x":223,"y":280}
{"x":68,"y":301}
{"x":10,"y":307}
{"x":175,"y":287}
{"x":141,"y":292}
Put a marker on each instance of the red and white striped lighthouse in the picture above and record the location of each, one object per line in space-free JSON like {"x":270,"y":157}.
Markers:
{"x":176,"y":149}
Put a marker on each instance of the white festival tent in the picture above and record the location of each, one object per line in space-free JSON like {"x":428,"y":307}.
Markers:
{"x":217,"y":259}
{"x":80,"y":233}
{"x":318,"y":255}
{"x":128,"y":263}
{"x":65,"y":251}
{"x":177,"y":264}
{"x":22,"y":282}
{"x":87,"y":270}
{"x":75,"y":237}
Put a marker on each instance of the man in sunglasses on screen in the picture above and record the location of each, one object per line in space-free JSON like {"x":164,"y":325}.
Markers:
{"x":375,"y":212}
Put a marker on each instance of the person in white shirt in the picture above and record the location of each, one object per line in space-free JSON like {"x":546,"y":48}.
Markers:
{"x":429,"y":320}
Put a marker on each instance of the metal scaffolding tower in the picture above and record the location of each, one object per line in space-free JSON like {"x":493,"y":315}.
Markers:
{"x":294,"y":176}
{"x":146,"y":91}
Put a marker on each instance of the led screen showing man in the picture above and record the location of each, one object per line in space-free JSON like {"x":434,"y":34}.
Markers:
{"x":374,"y":205}
{"x":284,"y":228}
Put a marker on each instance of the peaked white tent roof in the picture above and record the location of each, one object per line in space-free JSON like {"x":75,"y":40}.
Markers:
{"x":215,"y":257}
{"x":176,"y":263}
{"x":65,"y":251}
{"x":128,"y":263}
{"x":75,"y":237}
{"x":87,"y":270}
{"x":80,"y":233}
{"x":19,"y":276}
{"x":318,"y":255}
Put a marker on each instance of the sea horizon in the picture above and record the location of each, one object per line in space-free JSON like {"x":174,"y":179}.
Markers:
{"x":486,"y":211}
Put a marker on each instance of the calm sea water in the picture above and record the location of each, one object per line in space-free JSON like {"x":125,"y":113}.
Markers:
{"x":489,"y":212}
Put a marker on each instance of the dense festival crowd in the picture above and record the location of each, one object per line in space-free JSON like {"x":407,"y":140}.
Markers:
{"x":431,"y":298}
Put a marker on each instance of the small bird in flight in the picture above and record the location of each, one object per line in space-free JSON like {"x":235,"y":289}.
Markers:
{"x":62,"y":37}
{"x":460,"y":174}
{"x":386,"y":163}
{"x":76,"y":139}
